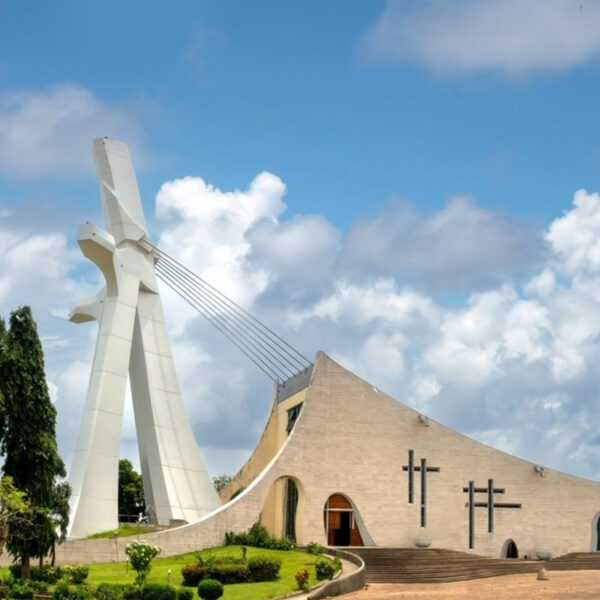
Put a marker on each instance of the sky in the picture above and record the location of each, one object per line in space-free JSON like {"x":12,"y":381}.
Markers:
{"x":409,"y":186}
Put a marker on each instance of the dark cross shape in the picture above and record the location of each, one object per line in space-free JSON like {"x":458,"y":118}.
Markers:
{"x":423,"y":469}
{"x":490,"y":490}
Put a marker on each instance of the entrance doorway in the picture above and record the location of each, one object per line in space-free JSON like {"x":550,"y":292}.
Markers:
{"x":340,"y":522}
{"x":509,"y":549}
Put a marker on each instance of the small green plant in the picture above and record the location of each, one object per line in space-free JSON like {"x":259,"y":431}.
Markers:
{"x":22,"y":591}
{"x":314,"y":548}
{"x":210,"y":589}
{"x":140,"y":557}
{"x":324,"y":569}
{"x":62,"y":591}
{"x":302,"y":578}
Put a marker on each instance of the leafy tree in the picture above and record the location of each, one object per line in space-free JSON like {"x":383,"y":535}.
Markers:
{"x":131,"y":492}
{"x":59,"y":515}
{"x":220,"y":481}
{"x":28,"y":435}
{"x":12,"y":506}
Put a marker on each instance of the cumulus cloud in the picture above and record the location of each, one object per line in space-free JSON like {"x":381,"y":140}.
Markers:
{"x":437,"y":249}
{"x":506,"y":37}
{"x":48,"y":132}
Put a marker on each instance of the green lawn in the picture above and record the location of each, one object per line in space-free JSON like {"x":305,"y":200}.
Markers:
{"x":125,"y":530}
{"x":291,"y":562}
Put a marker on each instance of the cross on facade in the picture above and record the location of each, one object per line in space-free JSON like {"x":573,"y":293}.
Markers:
{"x":423,"y":469}
{"x":490,"y":490}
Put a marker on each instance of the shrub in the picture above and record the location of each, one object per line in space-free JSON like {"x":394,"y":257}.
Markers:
{"x":47,"y":573}
{"x":110,"y":591}
{"x":62,"y":592}
{"x":15,"y":570}
{"x":302,"y":578}
{"x":210,"y":589}
{"x":40,"y":586}
{"x":140,"y":556}
{"x":185,"y":594}
{"x":158,"y":591}
{"x":21,"y":591}
{"x":324,"y":569}
{"x":263,"y":568}
{"x":77,"y":574}
{"x":259,"y":537}
{"x":314,"y":548}
{"x":228,"y":572}
{"x":192,"y":574}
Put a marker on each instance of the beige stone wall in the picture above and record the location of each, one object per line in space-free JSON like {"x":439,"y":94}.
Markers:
{"x":351,"y":438}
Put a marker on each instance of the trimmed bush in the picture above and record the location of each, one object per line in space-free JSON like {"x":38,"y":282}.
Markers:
{"x":158,"y":591}
{"x":228,"y":572}
{"x":314,"y":548}
{"x":210,"y":589}
{"x":22,"y":591}
{"x":263,"y":568}
{"x":192,"y":574}
{"x":324,"y":569}
{"x":185,"y":594}
{"x":110,"y":591}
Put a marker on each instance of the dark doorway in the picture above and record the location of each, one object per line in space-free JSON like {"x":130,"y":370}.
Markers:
{"x":598,"y":534}
{"x":511,"y":550}
{"x":341,"y":536}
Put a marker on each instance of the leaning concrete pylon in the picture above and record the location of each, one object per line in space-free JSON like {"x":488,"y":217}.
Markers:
{"x":132,"y":339}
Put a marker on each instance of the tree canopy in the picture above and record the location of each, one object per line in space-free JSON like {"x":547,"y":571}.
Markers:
{"x":131,"y":492}
{"x":28,"y":437}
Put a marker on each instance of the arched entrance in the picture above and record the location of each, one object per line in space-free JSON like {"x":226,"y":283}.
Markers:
{"x":282,"y":509}
{"x":509,"y":549}
{"x":341,"y":523}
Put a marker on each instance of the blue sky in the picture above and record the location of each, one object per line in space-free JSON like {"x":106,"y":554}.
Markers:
{"x":430,"y":152}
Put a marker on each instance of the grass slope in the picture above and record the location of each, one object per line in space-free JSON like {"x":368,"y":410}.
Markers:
{"x":125,"y":530}
{"x":291,"y":562}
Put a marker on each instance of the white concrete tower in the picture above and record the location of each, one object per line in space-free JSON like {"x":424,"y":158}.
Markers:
{"x":132,"y":339}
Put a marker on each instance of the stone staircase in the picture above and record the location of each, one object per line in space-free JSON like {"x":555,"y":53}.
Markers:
{"x":433,"y":565}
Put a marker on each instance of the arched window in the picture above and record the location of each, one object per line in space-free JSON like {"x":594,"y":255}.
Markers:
{"x":291,"y":506}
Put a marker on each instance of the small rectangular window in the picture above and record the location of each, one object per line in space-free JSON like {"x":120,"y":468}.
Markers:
{"x":292,"y":416}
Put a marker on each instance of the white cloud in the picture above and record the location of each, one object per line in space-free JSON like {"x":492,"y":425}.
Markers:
{"x":506,"y":37}
{"x":48,"y":132}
